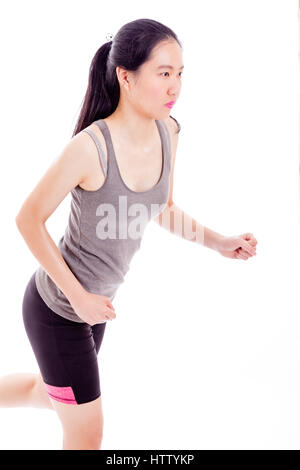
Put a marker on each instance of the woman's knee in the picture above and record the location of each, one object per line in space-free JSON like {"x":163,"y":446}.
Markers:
{"x":84,"y":442}
{"x":81,"y":423}
{"x":39,"y":396}
{"x":86,"y":435}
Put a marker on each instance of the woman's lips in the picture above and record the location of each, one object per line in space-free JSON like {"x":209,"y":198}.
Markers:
{"x":169,"y":105}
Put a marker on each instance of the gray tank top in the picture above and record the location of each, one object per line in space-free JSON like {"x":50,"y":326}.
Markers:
{"x":105,"y":227}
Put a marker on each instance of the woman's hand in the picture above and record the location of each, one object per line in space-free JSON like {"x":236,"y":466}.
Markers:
{"x":240,"y":247}
{"x":93,"y":308}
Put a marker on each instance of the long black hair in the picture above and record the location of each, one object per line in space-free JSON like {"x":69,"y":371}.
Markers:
{"x":130,"y":48}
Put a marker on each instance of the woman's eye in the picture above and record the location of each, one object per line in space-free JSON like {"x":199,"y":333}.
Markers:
{"x":168,"y":72}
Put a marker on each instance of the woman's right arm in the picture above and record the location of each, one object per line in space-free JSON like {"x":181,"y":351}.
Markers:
{"x":66,"y":172}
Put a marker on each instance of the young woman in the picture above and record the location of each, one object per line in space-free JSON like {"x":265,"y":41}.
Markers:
{"x":119,"y":168}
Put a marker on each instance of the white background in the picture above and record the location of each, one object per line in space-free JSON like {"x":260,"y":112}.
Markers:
{"x":204,"y":352}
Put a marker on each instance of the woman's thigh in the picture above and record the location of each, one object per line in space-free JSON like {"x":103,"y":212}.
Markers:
{"x":98,"y":333}
{"x":66,"y":351}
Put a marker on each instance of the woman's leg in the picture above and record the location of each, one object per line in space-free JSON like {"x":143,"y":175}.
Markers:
{"x":82,"y":424}
{"x":15,"y":389}
{"x":66,"y":353}
{"x":39,"y":398}
{"x":24,"y":390}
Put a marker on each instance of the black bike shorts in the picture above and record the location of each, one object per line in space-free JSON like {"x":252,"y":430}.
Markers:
{"x":66,"y":351}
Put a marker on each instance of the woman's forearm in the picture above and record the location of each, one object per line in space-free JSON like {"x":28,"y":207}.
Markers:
{"x":47,"y":253}
{"x":212,"y":239}
{"x":180,"y":223}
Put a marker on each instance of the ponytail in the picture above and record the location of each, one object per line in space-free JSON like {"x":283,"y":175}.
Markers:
{"x":103,"y":91}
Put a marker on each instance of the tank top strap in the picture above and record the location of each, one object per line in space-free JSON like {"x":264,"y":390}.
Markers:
{"x":112,"y":160}
{"x":99,"y":148}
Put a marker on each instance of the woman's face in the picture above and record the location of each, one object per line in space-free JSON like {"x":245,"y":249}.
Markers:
{"x":157,"y":82}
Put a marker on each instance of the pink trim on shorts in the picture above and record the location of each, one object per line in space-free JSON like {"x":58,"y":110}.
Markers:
{"x":62,"y":394}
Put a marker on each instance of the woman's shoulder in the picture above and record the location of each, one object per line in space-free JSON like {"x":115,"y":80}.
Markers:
{"x":99,"y":136}
{"x":94,"y":179}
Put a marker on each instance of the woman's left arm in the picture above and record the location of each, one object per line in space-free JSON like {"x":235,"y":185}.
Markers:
{"x":176,"y":221}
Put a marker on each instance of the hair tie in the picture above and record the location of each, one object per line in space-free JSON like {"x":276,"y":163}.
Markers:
{"x":109,"y":37}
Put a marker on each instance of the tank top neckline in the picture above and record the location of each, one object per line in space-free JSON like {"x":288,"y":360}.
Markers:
{"x":111,"y":155}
